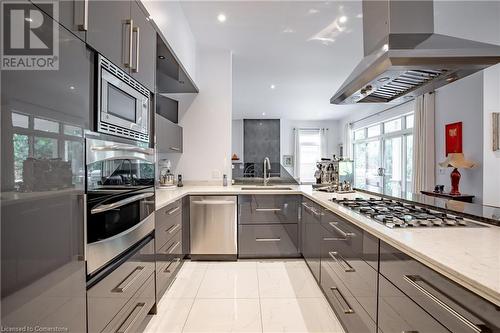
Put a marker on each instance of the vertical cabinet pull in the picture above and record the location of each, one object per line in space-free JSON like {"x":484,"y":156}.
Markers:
{"x":82,"y":12}
{"x":339,"y":260}
{"x":129,"y":322}
{"x":136,"y":42}
{"x":346,"y":308}
{"x":127,"y":47}
{"x":413,"y":281}
{"x":129,"y":280}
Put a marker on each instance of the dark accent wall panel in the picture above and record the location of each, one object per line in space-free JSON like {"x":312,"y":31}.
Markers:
{"x":261,"y":138}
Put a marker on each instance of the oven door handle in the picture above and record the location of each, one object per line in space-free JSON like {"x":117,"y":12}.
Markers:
{"x":147,"y":151}
{"x":103,"y":208}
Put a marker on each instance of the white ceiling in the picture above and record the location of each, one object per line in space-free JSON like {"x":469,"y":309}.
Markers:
{"x":300,"y":47}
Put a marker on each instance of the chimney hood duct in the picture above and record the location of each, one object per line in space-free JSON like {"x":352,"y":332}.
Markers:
{"x":404,"y":58}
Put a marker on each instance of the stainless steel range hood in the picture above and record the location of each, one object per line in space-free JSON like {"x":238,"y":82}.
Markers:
{"x":404,"y":58}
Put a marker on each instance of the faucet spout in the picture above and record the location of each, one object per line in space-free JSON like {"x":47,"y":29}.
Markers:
{"x":267,"y":167}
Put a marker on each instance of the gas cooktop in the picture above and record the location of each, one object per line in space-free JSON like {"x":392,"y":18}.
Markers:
{"x":397,"y":214}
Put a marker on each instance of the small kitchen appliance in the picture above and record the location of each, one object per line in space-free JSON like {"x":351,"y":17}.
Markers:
{"x":167,"y":179}
{"x":123,"y":104}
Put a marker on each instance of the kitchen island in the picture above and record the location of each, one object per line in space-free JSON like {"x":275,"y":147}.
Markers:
{"x":454,"y":252}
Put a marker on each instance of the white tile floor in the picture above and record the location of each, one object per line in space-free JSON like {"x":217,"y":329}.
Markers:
{"x":244,"y":296}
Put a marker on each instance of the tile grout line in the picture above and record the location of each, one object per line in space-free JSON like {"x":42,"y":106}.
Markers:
{"x":194,"y":299}
{"x":258,"y":292}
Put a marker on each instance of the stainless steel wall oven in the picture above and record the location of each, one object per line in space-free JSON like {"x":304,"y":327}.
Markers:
{"x":120,"y":199}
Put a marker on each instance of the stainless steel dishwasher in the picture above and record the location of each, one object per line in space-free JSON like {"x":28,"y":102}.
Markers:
{"x":213,"y":227}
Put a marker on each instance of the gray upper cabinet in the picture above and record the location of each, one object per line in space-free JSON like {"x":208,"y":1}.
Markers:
{"x":72,"y":15}
{"x":121,"y":32}
{"x":110,"y":31}
{"x":144,"y":48}
{"x":168,"y":136}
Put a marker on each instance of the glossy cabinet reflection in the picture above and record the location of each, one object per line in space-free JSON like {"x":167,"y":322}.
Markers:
{"x":44,"y":115}
{"x":311,"y":235}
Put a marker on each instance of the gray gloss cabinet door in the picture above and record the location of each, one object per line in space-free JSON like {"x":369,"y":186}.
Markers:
{"x":71,"y":15}
{"x":168,"y":136}
{"x":144,"y":48}
{"x":42,"y":232}
{"x":311,"y":236}
{"x":398,"y":313}
{"x":268,"y":240}
{"x":109,"y":30}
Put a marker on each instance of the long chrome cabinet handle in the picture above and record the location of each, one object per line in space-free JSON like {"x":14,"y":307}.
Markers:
{"x":268,"y":239}
{"x":127,"y":49}
{"x":268,"y":209}
{"x":167,"y":269}
{"x":83,"y":13}
{"x":135,"y":63}
{"x":346,"y":308}
{"x":341,"y":262}
{"x":173,"y":228}
{"x":340,"y":231}
{"x":147,"y":151}
{"x":173,"y":210}
{"x":104,"y":208}
{"x":172,"y":248}
{"x":412,"y":280}
{"x":213,"y":202}
{"x":129,"y":280}
{"x":131,"y":318}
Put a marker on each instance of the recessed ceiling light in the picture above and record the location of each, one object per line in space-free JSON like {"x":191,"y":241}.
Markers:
{"x":343,"y":19}
{"x":221,"y":17}
{"x":272,"y":86}
{"x":161,"y":57}
{"x":72,"y":87}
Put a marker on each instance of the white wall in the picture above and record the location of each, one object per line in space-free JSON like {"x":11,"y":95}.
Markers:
{"x":237,"y":138}
{"x":206,"y":120}
{"x":170,"y":19}
{"x":462,"y":101}
{"x":491,"y":159}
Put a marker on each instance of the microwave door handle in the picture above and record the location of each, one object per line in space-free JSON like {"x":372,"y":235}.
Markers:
{"x":104,"y":208}
{"x":146,"y":151}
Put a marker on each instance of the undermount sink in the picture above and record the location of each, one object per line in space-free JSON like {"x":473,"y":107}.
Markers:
{"x":270,"y":188}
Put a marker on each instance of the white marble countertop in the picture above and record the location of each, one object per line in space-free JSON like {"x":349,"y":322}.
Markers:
{"x":468,"y":256}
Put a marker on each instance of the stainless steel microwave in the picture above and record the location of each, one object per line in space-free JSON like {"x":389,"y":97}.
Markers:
{"x":123,"y":104}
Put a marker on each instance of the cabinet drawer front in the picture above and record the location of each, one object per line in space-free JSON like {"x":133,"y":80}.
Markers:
{"x":168,"y":223}
{"x":264,"y":209}
{"x":350,"y":268}
{"x":257,"y":241}
{"x":130,"y":317}
{"x":398,"y":313}
{"x":109,"y":295}
{"x":165,"y":273}
{"x":349,"y":311}
{"x":455,"y":307}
